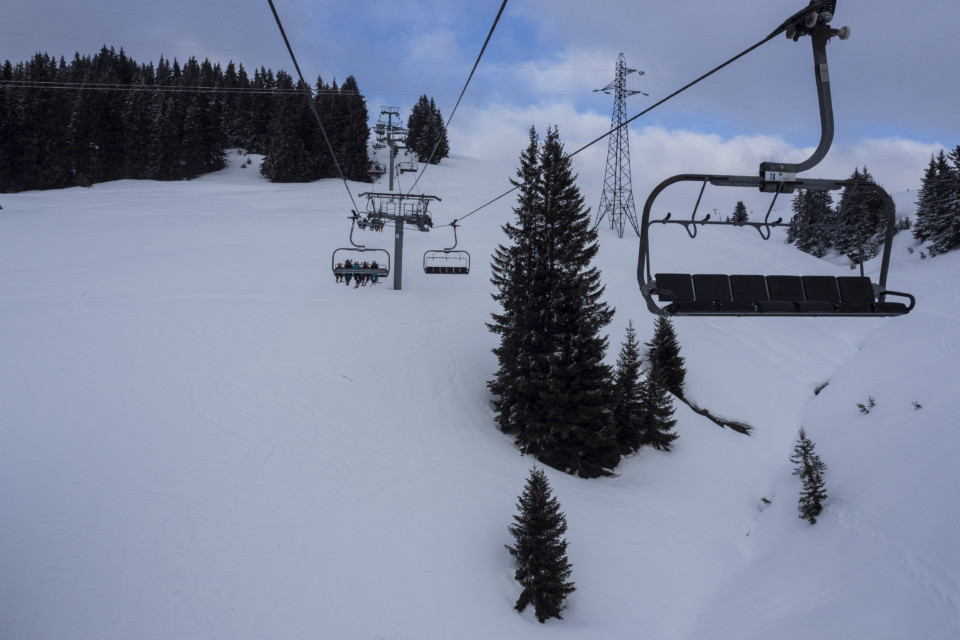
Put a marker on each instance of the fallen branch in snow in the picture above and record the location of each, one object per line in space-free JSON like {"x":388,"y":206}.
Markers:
{"x":739,"y":427}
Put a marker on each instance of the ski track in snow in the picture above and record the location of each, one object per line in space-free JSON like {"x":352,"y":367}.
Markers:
{"x":922,"y":570}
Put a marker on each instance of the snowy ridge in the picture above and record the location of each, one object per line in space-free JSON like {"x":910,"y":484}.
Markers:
{"x":203,"y":436}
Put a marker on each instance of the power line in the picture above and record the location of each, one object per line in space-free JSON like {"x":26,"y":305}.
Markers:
{"x":465,"y":85}
{"x":157,"y":88}
{"x":781,"y":29}
{"x":313,"y":106}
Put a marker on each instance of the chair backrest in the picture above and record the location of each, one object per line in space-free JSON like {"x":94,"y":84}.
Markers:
{"x":821,"y":288}
{"x":749,"y":288}
{"x":856,"y":289}
{"x":712,"y":286}
{"x":785,"y":288}
{"x":679,"y":284}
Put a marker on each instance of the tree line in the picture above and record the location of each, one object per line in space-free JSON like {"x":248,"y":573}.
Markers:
{"x":106,"y":117}
{"x":938,"y":203}
{"x":854,"y":227}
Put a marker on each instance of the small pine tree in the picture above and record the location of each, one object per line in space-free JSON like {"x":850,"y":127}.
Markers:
{"x":657,"y":418}
{"x":740,"y":213}
{"x":809,"y":467}
{"x":540,"y":549}
{"x":664,"y":355}
{"x":628,"y":408}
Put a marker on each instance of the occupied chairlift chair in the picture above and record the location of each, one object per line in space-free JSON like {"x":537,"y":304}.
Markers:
{"x":360,"y":254}
{"x":447,"y":261}
{"x":780,"y":295}
{"x":407,"y":166}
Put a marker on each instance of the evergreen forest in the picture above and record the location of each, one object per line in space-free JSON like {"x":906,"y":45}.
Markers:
{"x":854,"y":227}
{"x":106,"y":117}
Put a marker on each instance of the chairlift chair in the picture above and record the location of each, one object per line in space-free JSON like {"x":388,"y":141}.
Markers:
{"x":358,"y":254}
{"x":451,"y":261}
{"x":407,"y":166}
{"x":718,"y":294}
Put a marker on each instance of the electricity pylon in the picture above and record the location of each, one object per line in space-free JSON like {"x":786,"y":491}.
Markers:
{"x":617,"y":198}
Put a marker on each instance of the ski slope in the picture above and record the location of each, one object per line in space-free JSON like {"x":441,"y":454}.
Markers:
{"x":203,"y":436}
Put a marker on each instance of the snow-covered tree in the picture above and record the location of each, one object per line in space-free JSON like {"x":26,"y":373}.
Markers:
{"x":540,"y":550}
{"x":861,"y":227}
{"x":813,"y":216}
{"x":938,"y":203}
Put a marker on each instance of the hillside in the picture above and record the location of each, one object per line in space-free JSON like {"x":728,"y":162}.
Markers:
{"x":203,"y":436}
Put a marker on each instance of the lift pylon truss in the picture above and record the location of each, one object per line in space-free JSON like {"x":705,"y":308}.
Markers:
{"x":617,"y":199}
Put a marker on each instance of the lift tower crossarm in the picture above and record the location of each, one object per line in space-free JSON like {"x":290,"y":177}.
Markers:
{"x":390,"y":206}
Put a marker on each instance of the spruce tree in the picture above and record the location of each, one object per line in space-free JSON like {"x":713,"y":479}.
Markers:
{"x":740,"y":213}
{"x":656,"y":418}
{"x":929,"y":202}
{"x":552,"y":389}
{"x":426,"y":132}
{"x":287,"y":158}
{"x":811,"y":225}
{"x":861,"y":227}
{"x":355,"y":132}
{"x":938,"y":205}
{"x":810,"y":469}
{"x":628,"y":404}
{"x":540,"y":550}
{"x":664,"y":355}
{"x":798,"y":206}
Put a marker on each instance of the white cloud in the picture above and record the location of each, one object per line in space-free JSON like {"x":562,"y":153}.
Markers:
{"x":499,"y":133}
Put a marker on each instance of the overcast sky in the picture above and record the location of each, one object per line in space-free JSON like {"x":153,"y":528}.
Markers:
{"x":896,"y":81}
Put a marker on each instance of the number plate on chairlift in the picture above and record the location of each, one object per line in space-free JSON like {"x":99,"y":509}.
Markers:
{"x":779,"y":176}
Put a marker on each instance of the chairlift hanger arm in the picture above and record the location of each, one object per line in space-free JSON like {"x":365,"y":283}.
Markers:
{"x":814,"y":21}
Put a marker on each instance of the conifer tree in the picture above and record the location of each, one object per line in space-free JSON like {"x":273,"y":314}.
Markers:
{"x":656,"y":419}
{"x":426,"y":132}
{"x":354,"y":132}
{"x":938,"y":204}
{"x":664,"y":355}
{"x":540,"y":550}
{"x":798,"y":206}
{"x":740,"y":213}
{"x":288,"y":159}
{"x":552,"y":389}
{"x":810,"y":469}
{"x":861,"y":227}
{"x":813,"y":218}
{"x":628,"y":404}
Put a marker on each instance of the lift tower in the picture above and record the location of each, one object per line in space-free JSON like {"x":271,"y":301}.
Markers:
{"x":402,"y":209}
{"x":617,"y":198}
{"x":391,"y":135}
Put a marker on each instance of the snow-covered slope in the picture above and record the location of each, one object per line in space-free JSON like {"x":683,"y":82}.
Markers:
{"x":203,"y":436}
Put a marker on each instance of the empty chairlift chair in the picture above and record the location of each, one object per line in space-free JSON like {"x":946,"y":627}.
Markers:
{"x":780,"y":295}
{"x":450,"y":261}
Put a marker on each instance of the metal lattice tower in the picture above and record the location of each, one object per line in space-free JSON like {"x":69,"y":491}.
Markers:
{"x":617,"y":198}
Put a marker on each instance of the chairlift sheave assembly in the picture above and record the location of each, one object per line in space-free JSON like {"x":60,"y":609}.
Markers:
{"x":717,"y":294}
{"x":447,"y":261}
